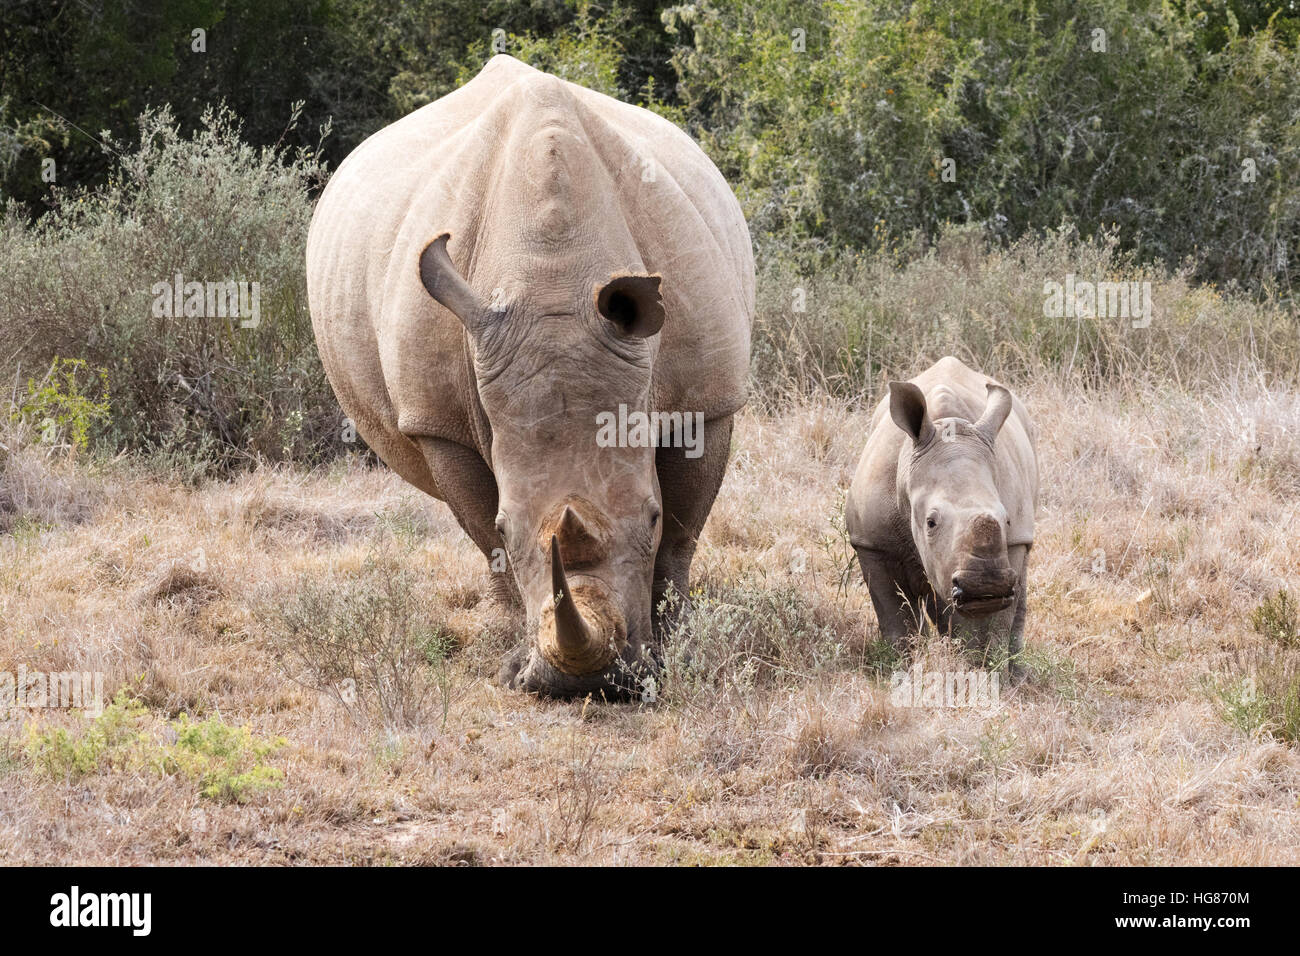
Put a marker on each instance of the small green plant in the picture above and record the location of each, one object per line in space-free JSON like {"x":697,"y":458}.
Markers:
{"x":1054,"y":671}
{"x":997,"y":741}
{"x":114,"y":740}
{"x":66,"y":403}
{"x":438,"y":647}
{"x":27,"y":529}
{"x":1259,"y":693}
{"x":228,"y":763}
{"x":838,"y":548}
{"x":404,"y":523}
{"x":1239,"y":703}
{"x":1276,"y":619}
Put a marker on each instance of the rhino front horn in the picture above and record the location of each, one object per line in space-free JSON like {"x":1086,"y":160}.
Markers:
{"x":571,"y":641}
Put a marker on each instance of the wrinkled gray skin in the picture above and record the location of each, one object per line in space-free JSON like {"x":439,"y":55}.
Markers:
{"x":941,"y":510}
{"x":486,"y":276}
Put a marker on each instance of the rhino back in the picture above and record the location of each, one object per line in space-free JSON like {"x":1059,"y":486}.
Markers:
{"x":398,"y":360}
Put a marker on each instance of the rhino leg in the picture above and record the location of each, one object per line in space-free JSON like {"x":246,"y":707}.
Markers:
{"x":688,"y":486}
{"x":465,"y":482}
{"x":896,"y":611}
{"x":1019,"y":558}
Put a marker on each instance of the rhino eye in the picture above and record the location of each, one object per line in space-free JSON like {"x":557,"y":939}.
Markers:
{"x":931,"y":522}
{"x":501,"y":524}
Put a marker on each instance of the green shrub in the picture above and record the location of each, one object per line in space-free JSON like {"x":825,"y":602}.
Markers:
{"x":1260,"y":693}
{"x":115,"y":740}
{"x":843,"y":145}
{"x":584,"y":53}
{"x":1276,"y":619}
{"x":227,"y":763}
{"x":81,"y":282}
{"x":61,"y":406}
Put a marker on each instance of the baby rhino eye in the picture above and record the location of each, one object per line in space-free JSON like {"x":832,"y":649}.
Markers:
{"x":930,"y":522}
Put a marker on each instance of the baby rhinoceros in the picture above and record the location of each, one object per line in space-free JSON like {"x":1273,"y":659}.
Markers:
{"x":941,"y":510}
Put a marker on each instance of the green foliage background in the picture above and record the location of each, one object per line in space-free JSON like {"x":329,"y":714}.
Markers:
{"x":1174,"y":148}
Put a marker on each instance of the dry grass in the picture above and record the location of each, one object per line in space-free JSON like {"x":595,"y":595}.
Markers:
{"x":776,"y":742}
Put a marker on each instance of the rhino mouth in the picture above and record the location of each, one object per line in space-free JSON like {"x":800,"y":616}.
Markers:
{"x":584,"y":645}
{"x":987,"y":593}
{"x":979,"y":606}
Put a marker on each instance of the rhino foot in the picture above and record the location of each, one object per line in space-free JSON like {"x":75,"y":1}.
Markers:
{"x":508,"y":675}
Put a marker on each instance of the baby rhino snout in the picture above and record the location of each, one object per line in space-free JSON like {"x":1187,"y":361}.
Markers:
{"x":984,"y":583}
{"x":977,"y":591}
{"x":977,"y":584}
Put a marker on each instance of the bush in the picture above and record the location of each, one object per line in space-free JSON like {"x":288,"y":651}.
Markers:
{"x":227,"y":763}
{"x":738,"y":635}
{"x":843,"y":145}
{"x":112,"y":741}
{"x":62,"y":406}
{"x":83,"y":281}
{"x":1276,"y":619}
{"x":851,"y":322}
{"x":1260,"y":693}
{"x":371,"y":642}
{"x":582,"y":53}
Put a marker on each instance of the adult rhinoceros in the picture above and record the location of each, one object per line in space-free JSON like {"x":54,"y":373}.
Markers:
{"x":490,"y":278}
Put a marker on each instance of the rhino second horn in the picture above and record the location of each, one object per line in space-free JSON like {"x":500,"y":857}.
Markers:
{"x":448,"y":288}
{"x":578,"y":541}
{"x":574,"y":647}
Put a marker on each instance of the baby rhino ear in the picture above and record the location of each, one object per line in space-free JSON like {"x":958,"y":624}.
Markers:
{"x":632,"y":304}
{"x":907,"y":408}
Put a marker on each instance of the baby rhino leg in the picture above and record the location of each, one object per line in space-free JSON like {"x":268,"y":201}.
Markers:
{"x":896,"y":610}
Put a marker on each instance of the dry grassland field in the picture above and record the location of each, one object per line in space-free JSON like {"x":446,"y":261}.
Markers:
{"x":1133,"y":740}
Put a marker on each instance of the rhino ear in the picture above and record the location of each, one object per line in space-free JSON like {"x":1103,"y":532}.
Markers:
{"x":996,"y":410}
{"x":907,"y":408}
{"x":632,"y":303}
{"x":440,"y":279}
